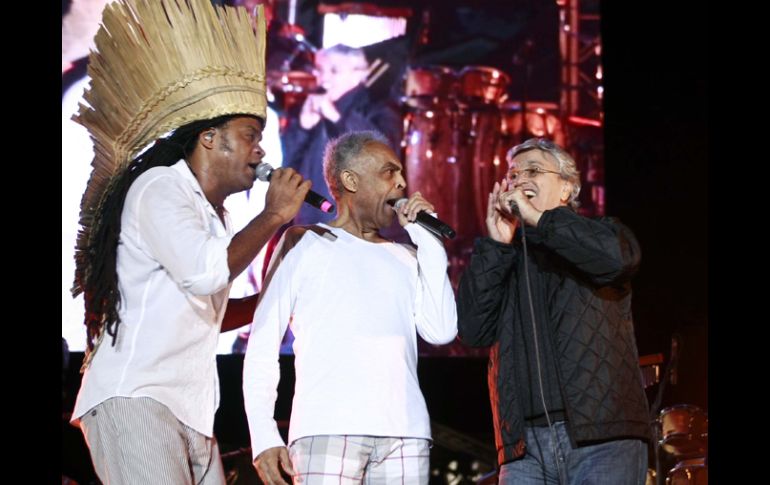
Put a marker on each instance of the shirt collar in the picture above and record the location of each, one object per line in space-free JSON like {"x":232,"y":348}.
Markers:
{"x":184,"y":170}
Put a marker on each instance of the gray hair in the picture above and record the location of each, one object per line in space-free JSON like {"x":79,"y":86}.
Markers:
{"x":344,"y":50}
{"x":567,"y":167}
{"x":342,"y":152}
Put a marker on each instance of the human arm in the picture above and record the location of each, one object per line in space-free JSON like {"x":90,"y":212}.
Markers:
{"x":284,"y":197}
{"x":482,"y":292}
{"x":604,"y":250}
{"x":239,"y":312}
{"x":436,"y":312}
{"x":261,"y":371}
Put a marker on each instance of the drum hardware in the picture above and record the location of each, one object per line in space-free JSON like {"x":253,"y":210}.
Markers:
{"x":679,"y":431}
{"x":649,"y":366}
{"x":651,"y":478}
{"x":689,"y":472}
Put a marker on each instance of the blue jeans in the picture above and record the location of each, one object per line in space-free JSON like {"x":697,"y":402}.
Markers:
{"x":619,"y":462}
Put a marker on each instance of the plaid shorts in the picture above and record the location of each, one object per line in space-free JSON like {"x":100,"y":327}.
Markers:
{"x":370,"y":460}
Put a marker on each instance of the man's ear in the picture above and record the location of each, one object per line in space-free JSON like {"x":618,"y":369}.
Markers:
{"x":349,"y":180}
{"x":206,"y":138}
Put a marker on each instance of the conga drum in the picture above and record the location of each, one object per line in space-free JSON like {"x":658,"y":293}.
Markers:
{"x":429,"y":86}
{"x":481,"y":85}
{"x":542,"y":120}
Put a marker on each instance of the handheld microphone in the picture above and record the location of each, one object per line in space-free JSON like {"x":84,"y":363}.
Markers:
{"x":303,"y":43}
{"x":265,"y":171}
{"x":434,"y":225}
{"x":515,"y":209}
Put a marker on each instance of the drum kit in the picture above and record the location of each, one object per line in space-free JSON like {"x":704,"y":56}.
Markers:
{"x":682,"y":432}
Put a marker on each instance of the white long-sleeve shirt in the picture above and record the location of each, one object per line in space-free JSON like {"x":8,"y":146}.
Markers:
{"x":173,"y":276}
{"x":355,"y":309}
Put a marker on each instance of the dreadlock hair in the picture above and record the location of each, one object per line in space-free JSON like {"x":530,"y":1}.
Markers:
{"x":101,"y":294}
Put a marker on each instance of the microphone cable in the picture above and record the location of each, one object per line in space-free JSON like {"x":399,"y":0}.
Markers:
{"x":557,"y":446}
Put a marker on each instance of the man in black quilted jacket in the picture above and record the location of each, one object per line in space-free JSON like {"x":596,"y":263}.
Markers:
{"x":550,"y":291}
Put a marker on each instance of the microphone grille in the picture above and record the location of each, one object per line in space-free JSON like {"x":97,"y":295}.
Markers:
{"x":264,"y":170}
{"x":515,"y":208}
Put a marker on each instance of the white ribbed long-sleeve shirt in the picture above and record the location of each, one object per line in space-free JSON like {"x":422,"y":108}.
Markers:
{"x":355,"y":309}
{"x":173,"y":277}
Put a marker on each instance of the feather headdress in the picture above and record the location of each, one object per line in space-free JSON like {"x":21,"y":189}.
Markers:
{"x":159,"y":65}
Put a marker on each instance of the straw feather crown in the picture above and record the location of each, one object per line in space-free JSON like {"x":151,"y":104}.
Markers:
{"x":159,"y":65}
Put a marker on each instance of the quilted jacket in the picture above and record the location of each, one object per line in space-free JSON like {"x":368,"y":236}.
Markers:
{"x":583,"y":268}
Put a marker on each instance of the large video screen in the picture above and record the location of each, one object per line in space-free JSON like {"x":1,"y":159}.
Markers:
{"x":469,"y":79}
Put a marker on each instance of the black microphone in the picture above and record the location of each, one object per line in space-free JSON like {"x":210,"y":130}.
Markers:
{"x":515,"y":208}
{"x":265,"y":171}
{"x":303,"y":43}
{"x":434,"y":225}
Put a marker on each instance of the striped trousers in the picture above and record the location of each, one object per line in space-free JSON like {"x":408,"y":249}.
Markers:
{"x":139,"y":441}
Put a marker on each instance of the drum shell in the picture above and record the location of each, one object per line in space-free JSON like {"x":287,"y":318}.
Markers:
{"x":683,"y":430}
{"x":429,"y":86}
{"x":481,"y":85}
